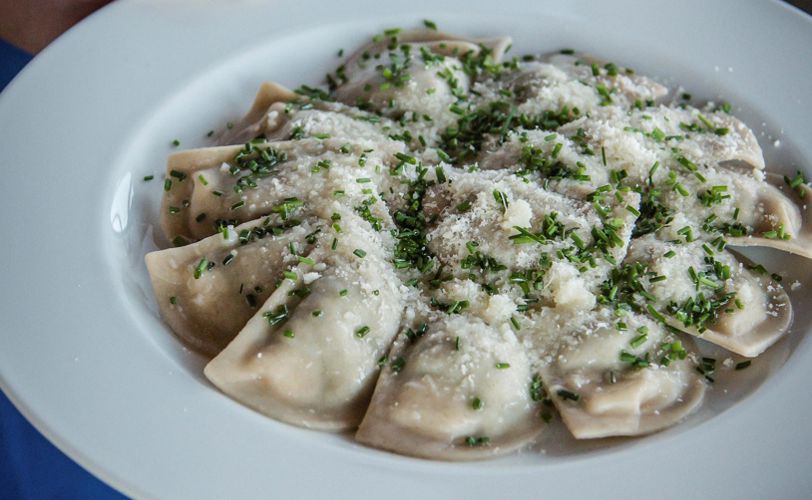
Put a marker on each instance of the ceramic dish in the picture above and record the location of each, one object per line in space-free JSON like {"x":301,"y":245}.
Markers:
{"x":85,"y":357}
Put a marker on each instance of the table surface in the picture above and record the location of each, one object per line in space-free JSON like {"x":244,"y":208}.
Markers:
{"x":30,"y":466}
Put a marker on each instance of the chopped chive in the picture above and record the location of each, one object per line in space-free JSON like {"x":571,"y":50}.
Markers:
{"x":639,"y":340}
{"x":398,"y":364}
{"x":306,"y":260}
{"x":476,"y":404}
{"x":464,"y":206}
{"x":148,"y":178}
{"x":477,"y":440}
{"x":741,"y":365}
{"x":411,"y":160}
{"x":577,"y":240}
{"x":180,"y":176}
{"x":167,"y":184}
{"x":567,"y":395}
{"x":278,"y":315}
{"x":343,"y":293}
{"x":362,"y":332}
{"x":457,"y":307}
{"x":501,"y":199}
{"x":203,"y":265}
{"x":688,"y":164}
{"x":440,"y":173}
{"x":502,"y":365}
{"x":359,"y":253}
{"x":237,"y":205}
{"x":290,"y":275}
{"x":317,"y":313}
{"x":288,"y":333}
{"x":654,"y":312}
{"x":515,"y":323}
{"x":173,"y":300}
{"x":429,"y":24}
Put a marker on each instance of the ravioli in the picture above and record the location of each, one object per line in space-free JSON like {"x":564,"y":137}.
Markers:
{"x":234,"y":184}
{"x":309,"y":356}
{"x":208,"y":290}
{"x":447,"y":247}
{"x":613,"y":376}
{"x":280,"y":114}
{"x":453,"y":388}
{"x":709,"y":293}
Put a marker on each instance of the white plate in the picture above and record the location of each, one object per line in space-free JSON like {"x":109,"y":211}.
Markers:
{"x":85,"y":358}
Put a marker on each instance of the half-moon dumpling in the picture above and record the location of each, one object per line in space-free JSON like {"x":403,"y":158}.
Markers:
{"x":270,"y":97}
{"x":562,"y":88}
{"x":279,"y":114}
{"x":551,"y":159}
{"x":495,"y":221}
{"x":206,"y":291}
{"x":212,"y":187}
{"x":785,"y":215}
{"x":612,"y":375}
{"x":704,"y":291}
{"x":634,"y":140}
{"x":453,"y":388}
{"x":309,"y":356}
{"x":414,"y":77}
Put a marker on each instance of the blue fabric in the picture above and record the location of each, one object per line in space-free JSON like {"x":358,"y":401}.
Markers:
{"x":30,"y":466}
{"x":12,"y":60}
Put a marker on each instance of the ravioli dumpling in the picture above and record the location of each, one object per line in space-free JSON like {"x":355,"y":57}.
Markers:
{"x":706,"y":292}
{"x":613,"y":376}
{"x":309,"y":356}
{"x":785,"y":218}
{"x":206,"y":291}
{"x":453,"y":388}
{"x":279,"y":114}
{"x":211,"y":187}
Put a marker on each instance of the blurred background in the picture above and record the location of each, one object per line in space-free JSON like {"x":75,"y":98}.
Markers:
{"x":30,"y":466}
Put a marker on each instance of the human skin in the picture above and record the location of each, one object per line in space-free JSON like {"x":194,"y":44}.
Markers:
{"x":32,"y":24}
